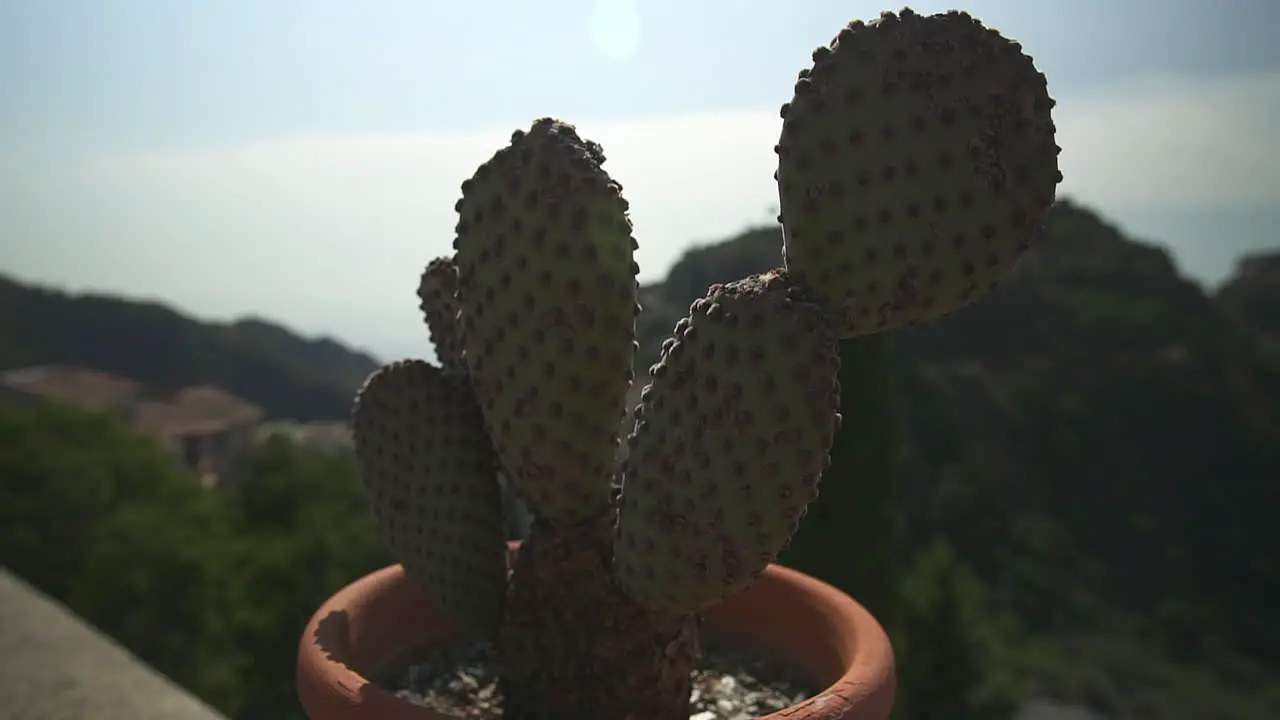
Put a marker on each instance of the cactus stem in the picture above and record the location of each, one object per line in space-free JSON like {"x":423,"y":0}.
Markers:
{"x":568,"y":625}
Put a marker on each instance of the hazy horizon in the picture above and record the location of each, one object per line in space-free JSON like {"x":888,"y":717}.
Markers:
{"x":300,"y":162}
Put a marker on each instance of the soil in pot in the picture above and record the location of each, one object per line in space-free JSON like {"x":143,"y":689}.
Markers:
{"x":730,"y":684}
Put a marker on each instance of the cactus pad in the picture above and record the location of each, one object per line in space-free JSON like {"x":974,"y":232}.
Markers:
{"x":730,"y":440}
{"x":428,"y":468}
{"x":547,"y":290}
{"x":916,"y":161}
{"x":440,"y":309}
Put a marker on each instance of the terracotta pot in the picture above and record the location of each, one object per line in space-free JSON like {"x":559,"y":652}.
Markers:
{"x":382,"y":619}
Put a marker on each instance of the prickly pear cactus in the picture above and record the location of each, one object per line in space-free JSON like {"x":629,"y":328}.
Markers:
{"x":916,"y":159}
{"x":436,"y":299}
{"x":428,"y":469}
{"x":730,"y":439}
{"x":547,"y":289}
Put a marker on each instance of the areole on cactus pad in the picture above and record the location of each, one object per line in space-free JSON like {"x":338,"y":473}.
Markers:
{"x":730,"y":440}
{"x":436,"y":290}
{"x":915,"y":162}
{"x":547,"y":293}
{"x":916,"y":159}
{"x":446,"y":525}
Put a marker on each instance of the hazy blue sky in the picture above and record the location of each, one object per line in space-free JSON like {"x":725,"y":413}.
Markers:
{"x":300,"y":160}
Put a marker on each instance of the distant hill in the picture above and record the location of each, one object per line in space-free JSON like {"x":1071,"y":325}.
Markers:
{"x":323,"y":356}
{"x":1100,"y":440}
{"x":1252,"y":295}
{"x":288,"y":376}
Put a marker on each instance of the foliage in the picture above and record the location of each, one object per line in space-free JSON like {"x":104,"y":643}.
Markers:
{"x":1252,"y":296}
{"x":1096,"y":440}
{"x":211,"y":588}
{"x":1092,"y":506}
{"x":947,"y":645}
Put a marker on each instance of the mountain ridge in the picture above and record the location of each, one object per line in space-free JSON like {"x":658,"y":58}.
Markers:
{"x":290,"y":376}
{"x":1097,"y":439}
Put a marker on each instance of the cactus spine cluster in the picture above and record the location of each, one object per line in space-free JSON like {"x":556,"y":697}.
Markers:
{"x":916,"y":161}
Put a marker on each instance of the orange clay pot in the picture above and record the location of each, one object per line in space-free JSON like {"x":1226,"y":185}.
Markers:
{"x":382,"y":619}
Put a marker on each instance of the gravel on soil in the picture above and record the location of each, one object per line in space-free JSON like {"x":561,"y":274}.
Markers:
{"x":730,"y":684}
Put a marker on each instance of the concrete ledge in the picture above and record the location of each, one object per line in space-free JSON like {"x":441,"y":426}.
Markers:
{"x":55,"y":666}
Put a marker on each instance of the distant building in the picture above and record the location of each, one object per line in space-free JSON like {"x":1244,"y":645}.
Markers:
{"x":328,"y":438}
{"x":208,"y":430}
{"x":205,"y":429}
{"x":82,"y":387}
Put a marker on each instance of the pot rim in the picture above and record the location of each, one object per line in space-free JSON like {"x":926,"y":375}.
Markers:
{"x":360,"y":630}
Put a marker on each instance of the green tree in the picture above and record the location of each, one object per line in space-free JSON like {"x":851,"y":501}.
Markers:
{"x":304,"y":532}
{"x":64,"y":472}
{"x":210,"y":588}
{"x":157,"y":578}
{"x":100,"y":518}
{"x":945,"y":643}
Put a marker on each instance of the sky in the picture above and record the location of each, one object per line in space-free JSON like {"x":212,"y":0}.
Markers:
{"x":299,"y":160}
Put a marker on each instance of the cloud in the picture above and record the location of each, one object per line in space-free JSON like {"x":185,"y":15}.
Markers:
{"x":685,"y":177}
{"x":329,"y":232}
{"x":1201,"y":142}
{"x":1210,"y":143}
